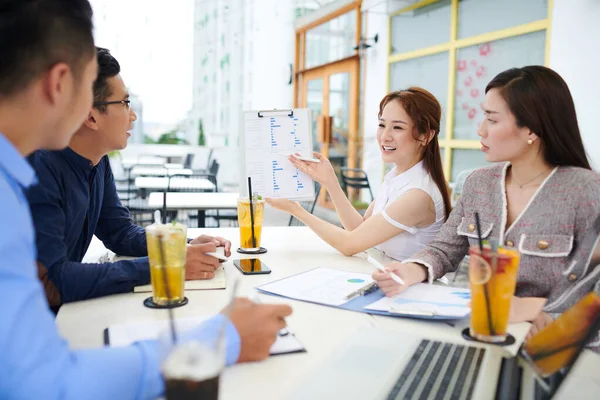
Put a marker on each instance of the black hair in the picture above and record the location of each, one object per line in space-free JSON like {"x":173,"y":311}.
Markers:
{"x":108,"y":67}
{"x":35,"y":35}
{"x":540,"y":100}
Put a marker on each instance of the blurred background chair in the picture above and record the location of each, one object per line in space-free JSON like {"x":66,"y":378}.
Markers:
{"x":458,"y":185}
{"x":355,"y":178}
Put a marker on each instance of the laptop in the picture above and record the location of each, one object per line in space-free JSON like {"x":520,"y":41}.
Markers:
{"x":379,"y":364}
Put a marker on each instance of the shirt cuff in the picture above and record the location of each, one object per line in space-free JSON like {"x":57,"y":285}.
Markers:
{"x":143,"y":268}
{"x":210,"y":331}
{"x":430,"y":271}
{"x":152,"y":382}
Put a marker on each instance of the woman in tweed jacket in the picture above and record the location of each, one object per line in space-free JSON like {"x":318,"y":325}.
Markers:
{"x":543,"y":199}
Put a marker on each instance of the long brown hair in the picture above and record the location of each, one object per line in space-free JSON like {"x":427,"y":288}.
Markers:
{"x":540,"y":100}
{"x":426,"y":113}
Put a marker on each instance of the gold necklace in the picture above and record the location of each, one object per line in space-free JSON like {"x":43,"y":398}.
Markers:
{"x":537,"y":176}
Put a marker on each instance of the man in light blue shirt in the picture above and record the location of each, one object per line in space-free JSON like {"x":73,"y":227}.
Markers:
{"x":46,"y":78}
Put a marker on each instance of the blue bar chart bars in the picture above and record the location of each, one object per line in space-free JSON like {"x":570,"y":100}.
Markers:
{"x":268,"y":142}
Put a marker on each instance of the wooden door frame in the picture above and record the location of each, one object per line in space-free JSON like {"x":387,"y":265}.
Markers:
{"x":348,"y":65}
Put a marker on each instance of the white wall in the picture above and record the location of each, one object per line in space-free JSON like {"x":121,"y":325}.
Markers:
{"x":375,"y":87}
{"x":575,"y":55}
{"x":272,"y":42}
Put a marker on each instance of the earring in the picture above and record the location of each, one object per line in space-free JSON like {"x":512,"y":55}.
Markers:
{"x":530,"y":142}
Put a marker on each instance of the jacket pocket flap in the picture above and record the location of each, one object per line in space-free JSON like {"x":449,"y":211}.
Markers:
{"x":546,"y":245}
{"x":468,"y":227}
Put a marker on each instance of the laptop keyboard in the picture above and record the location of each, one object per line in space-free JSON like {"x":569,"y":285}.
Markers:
{"x":438,"y":370}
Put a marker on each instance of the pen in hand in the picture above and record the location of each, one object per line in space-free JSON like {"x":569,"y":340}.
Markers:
{"x":380,"y":267}
{"x":254,"y":297}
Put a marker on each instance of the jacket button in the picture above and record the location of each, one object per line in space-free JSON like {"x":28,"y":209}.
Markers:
{"x":542,"y":245}
{"x":509,"y":243}
{"x":471,"y":228}
{"x":572,"y":277}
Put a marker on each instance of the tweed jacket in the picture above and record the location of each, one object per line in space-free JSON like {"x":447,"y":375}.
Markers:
{"x":556,"y":233}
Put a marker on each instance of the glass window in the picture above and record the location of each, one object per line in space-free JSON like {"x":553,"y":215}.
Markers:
{"x":429,"y":72}
{"x":463,"y":159}
{"x":481,"y":16}
{"x":339,"y":110}
{"x":477,"y":65}
{"x":314,"y":101}
{"x":423,"y":27}
{"x":331,"y":41}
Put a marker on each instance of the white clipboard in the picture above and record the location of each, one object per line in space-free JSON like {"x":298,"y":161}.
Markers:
{"x":267,"y":138}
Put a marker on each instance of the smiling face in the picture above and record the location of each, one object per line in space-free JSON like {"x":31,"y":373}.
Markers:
{"x":501,"y":138}
{"x":115,"y":124}
{"x":395,"y":135}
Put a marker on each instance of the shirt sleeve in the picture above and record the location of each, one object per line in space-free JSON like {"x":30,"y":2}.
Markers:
{"x":74,"y":280}
{"x":210,"y":330}
{"x":37,"y":362}
{"x":115,"y":226}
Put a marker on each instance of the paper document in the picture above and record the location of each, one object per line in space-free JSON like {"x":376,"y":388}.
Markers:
{"x":125,"y":334}
{"x":354,"y":291}
{"x":218,"y":282}
{"x":319,"y":285}
{"x":268,"y":138}
{"x":425,"y":298}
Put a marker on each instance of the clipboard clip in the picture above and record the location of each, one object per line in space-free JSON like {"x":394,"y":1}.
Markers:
{"x":289,"y":111}
{"x":368,"y":288}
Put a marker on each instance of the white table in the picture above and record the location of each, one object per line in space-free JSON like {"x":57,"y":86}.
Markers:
{"x":162,"y":183}
{"x":195,"y":201}
{"x":321,"y":329}
{"x":159,"y":171}
{"x":128,"y":162}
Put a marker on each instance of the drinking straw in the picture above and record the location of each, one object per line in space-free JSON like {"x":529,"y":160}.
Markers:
{"x":251,"y":211}
{"x":485,"y":289}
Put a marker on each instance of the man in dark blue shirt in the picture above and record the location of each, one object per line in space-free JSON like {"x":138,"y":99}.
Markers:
{"x":76,"y":198}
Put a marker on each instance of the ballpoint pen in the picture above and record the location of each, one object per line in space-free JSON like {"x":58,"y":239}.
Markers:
{"x":254,"y":298}
{"x":380,"y":267}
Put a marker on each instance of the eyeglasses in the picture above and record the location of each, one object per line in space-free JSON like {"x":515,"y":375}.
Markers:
{"x":126,"y":103}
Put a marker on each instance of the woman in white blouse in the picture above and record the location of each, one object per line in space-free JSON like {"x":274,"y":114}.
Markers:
{"x":413,"y":201}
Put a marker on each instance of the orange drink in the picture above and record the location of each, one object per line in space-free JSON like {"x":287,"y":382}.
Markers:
{"x":173,"y":240}
{"x":245,"y":223}
{"x":555,"y":346}
{"x":492,"y":279}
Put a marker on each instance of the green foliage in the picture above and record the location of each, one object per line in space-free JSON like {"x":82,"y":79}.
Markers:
{"x":149,"y":140}
{"x":201,"y":137}
{"x":170,"y":137}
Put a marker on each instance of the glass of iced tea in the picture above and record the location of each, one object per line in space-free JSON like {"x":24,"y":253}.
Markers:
{"x":555,"y":346}
{"x":247,"y":243}
{"x":166,"y":255}
{"x":492,"y":279}
{"x":192,"y":369}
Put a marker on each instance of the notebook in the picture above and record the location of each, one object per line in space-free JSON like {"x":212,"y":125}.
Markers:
{"x":121,"y":335}
{"x":218,"y":282}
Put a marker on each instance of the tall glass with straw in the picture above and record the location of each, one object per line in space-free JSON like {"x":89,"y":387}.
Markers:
{"x":250,"y":220}
{"x":492,"y":278}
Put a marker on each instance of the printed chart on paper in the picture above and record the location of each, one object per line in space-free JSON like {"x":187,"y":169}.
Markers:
{"x":269,"y":139}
